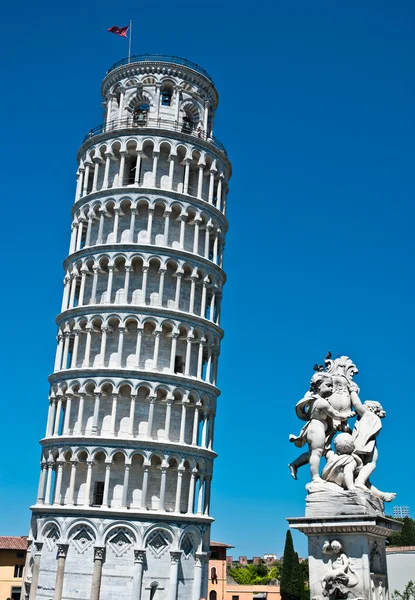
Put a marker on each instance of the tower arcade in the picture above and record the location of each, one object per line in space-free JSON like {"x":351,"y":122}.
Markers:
{"x":123,"y":505}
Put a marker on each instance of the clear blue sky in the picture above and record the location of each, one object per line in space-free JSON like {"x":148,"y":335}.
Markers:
{"x":317,"y":112}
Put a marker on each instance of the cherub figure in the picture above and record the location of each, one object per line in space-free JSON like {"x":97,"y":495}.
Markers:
{"x":342,"y":467}
{"x":318,"y":431}
{"x":366,"y":430}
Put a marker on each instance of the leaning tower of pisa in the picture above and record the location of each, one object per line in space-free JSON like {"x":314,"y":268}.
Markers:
{"x":122,"y":509}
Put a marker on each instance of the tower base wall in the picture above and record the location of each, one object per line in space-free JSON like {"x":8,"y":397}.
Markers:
{"x":106,"y":558}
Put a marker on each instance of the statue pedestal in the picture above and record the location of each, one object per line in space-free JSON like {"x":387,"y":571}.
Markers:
{"x":347,"y":557}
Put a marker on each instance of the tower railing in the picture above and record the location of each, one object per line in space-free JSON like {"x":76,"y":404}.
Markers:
{"x":161,"y":58}
{"x":185,"y":127}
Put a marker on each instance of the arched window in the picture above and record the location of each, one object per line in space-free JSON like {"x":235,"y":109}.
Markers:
{"x":213,"y":595}
{"x":214,"y":578}
{"x":140,"y":114}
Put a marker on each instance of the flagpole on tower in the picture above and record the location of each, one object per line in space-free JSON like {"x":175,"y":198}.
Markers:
{"x":129,"y":40}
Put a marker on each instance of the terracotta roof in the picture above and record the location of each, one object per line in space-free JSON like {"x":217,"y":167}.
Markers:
{"x":400,"y":549}
{"x":13,"y":542}
{"x":221,"y":545}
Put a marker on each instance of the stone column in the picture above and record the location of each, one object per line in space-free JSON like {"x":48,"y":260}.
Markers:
{"x":179,"y":275}
{"x":106,"y":484}
{"x":58,"y":485}
{"x":162,"y":272}
{"x":163,"y":487}
{"x":193,"y":278}
{"x":203,"y":303}
{"x":168,"y":417}
{"x":174,"y":339}
{"x":109,"y":287}
{"x":116,"y":223}
{"x":191,"y":493}
{"x":145,"y":487}
{"x":113,"y":413}
{"x":74,"y":358}
{"x":96,"y":414}
{"x":71,"y":499}
{"x":68,"y":407}
{"x":132,"y":224}
{"x":171,"y":170}
{"x":128,"y":270}
{"x":197,"y":579}
{"x":99,"y":555}
{"x":35,"y":571}
{"x":58,"y":416}
{"x":180,"y":471}
{"x":49,"y":482}
{"x":42,"y":481}
{"x":87,"y":499}
{"x":156,"y":349}
{"x":139,"y":560}
{"x":197,"y":222}
{"x":186,"y":176}
{"x":132,"y":415}
{"x":200,"y":495}
{"x":101,"y":226}
{"x":137,"y":169}
{"x":138,"y":347}
{"x":125,"y":485}
{"x":93,"y":298}
{"x":51,"y":418}
{"x":150,"y":415}
{"x":200,"y":181}
{"x":144,"y":285}
{"x":89,"y":230}
{"x":107,"y":170}
{"x":189,"y":340}
{"x":59,"y":352}
{"x":183,"y":421}
{"x":80,"y":413}
{"x":195,"y":426}
{"x":121,"y":169}
{"x":150,"y":224}
{"x":121,"y":331}
{"x":87,"y":356}
{"x":155,"y":161}
{"x":167,"y":214}
{"x":174,"y":568}
{"x":60,"y":570}
{"x":183,"y":218}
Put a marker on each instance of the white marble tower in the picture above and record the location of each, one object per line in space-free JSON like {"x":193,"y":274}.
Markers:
{"x":126,"y":467}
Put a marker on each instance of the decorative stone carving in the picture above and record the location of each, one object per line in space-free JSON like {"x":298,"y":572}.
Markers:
{"x":62,"y":550}
{"x":340,"y":578}
{"x":326,"y":408}
{"x":99,"y":553}
{"x":82,"y":538}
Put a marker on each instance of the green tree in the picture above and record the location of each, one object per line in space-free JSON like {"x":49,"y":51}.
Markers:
{"x":407,"y":536}
{"x":407,"y":594}
{"x":292,"y":578}
{"x":251,"y":574}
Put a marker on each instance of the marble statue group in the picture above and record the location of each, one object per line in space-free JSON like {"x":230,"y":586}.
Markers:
{"x":344,"y":519}
{"x":350,"y":452}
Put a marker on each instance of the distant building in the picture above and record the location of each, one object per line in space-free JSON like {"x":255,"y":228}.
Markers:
{"x":12,"y":560}
{"x":400,"y":512}
{"x":221,"y":587}
{"x":401,"y":566}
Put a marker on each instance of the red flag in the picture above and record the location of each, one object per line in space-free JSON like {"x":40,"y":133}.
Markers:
{"x":122,"y":31}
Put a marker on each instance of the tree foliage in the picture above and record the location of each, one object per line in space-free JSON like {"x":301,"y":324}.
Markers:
{"x":253,"y":574}
{"x":407,"y":594}
{"x":407,"y":536}
{"x":292,"y":574}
